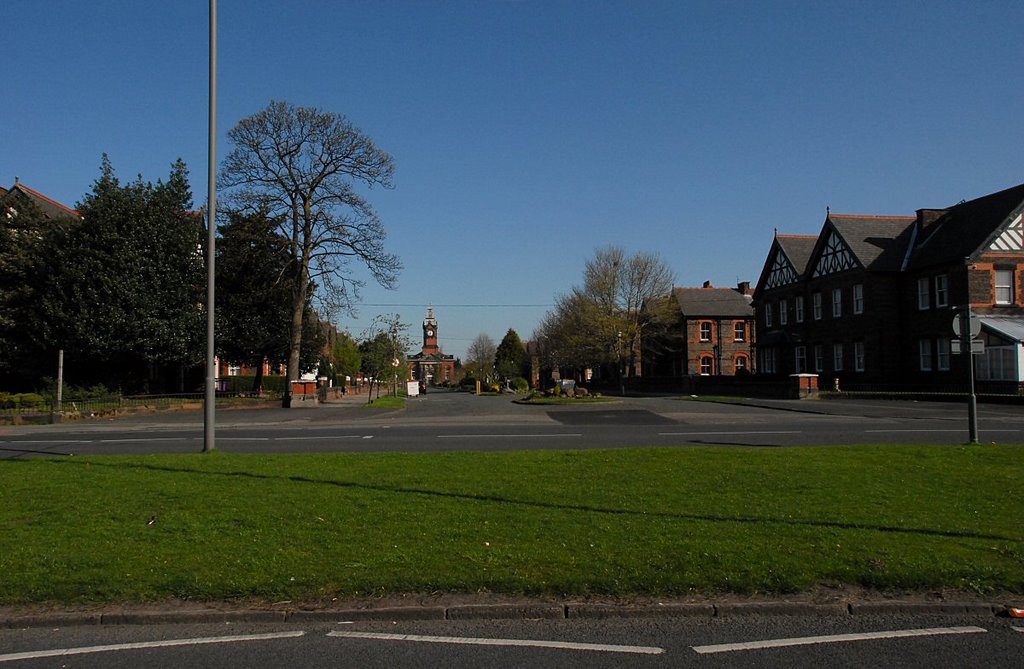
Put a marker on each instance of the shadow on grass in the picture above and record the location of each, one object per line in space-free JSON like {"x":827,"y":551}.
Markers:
{"x":752,"y":520}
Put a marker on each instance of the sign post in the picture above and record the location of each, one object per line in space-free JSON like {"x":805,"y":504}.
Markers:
{"x":967,"y":328}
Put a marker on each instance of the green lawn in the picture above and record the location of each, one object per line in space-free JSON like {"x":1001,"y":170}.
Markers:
{"x":614,"y":522}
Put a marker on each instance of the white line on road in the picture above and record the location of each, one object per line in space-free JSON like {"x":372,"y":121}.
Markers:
{"x":835,"y":638}
{"x":321,"y":437}
{"x":691,"y":434}
{"x":136,"y":439}
{"x":507,"y":436}
{"x":919,"y":430}
{"x":60,"y":652}
{"x":475,"y":641}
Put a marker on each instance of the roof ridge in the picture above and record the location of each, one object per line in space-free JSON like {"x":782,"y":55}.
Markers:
{"x":797,"y":236}
{"x":874,"y":216}
{"x":39,"y":195}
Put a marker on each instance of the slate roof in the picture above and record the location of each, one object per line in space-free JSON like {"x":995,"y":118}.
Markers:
{"x":966,"y":229}
{"x":721,"y":302}
{"x":50,"y":208}
{"x":798,"y":249}
{"x":1011,"y":327}
{"x":878,"y":242}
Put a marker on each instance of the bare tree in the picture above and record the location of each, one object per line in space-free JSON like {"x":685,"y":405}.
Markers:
{"x":300,"y":166}
{"x":481,"y":354}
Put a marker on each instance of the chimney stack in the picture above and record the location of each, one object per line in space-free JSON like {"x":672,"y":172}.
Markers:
{"x":707,"y":284}
{"x":743,"y":288}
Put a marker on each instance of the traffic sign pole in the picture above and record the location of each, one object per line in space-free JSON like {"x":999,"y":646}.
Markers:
{"x":966,"y":334}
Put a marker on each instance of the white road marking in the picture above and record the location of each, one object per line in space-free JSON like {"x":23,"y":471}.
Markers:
{"x":920,"y":430}
{"x":507,"y":436}
{"x":1018,"y":629}
{"x":61,"y":652}
{"x":331,"y":436}
{"x":835,"y":638}
{"x":136,"y":439}
{"x":749,"y":432}
{"x":475,"y":641}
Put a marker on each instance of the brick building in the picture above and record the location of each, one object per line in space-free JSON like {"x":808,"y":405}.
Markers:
{"x":871,"y":299}
{"x":431,"y":365}
{"x":709,"y":332}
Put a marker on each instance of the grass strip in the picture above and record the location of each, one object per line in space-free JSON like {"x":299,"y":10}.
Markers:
{"x":607,"y":522}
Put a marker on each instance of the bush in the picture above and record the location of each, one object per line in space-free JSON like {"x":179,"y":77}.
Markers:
{"x":520,"y":385}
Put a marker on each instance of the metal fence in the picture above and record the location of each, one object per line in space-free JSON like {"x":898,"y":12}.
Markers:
{"x":47,"y":410}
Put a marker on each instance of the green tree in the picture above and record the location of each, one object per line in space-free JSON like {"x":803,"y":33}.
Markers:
{"x":384,"y":350}
{"x":122,"y":286}
{"x":345,"y":356}
{"x":301,"y":166}
{"x":253,"y":292}
{"x":601,"y":323}
{"x":510,"y":358}
{"x":23,"y":230}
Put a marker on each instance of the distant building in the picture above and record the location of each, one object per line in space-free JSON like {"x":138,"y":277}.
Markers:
{"x":707,"y":331}
{"x":872,"y":299}
{"x":431,"y":365}
{"x":20,"y":194}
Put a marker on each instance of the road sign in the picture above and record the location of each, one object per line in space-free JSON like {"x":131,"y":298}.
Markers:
{"x":975,"y":326}
{"x":977,"y":347}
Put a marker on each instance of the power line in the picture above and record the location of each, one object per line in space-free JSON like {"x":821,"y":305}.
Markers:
{"x":458,"y":306}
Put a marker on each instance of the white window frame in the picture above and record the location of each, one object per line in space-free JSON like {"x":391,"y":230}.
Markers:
{"x":858,"y":298}
{"x":701,"y":327}
{"x":816,"y":304}
{"x":706,"y":360}
{"x":1004,"y":284}
{"x":783,"y":312}
{"x":800,"y":359}
{"x":819,"y":358}
{"x":739,"y":331}
{"x":768,"y":314}
{"x":837,"y":357}
{"x":924,"y":355}
{"x":798,"y":305}
{"x":837,"y":302}
{"x":942,"y":350}
{"x":923,"y":294}
{"x":740,"y":363}
{"x":941,"y":291}
{"x":858,"y":356}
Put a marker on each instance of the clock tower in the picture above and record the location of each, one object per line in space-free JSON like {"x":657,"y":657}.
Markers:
{"x":431,"y":366}
{"x":430,"y":332}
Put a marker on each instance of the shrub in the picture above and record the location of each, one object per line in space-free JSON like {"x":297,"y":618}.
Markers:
{"x":520,"y":385}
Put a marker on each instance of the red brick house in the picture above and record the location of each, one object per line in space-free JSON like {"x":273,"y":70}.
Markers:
{"x":431,"y":365}
{"x":709,"y":332}
{"x":871,"y":299}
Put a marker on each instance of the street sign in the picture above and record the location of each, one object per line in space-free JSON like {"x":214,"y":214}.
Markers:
{"x":977,"y":347}
{"x":975,"y":326}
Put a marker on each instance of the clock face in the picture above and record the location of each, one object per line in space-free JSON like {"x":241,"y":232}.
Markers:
{"x":430,"y":333}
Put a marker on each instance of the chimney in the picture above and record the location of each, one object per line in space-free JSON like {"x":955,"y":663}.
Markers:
{"x":926,"y":217}
{"x":707,"y":284}
{"x":743,"y":288}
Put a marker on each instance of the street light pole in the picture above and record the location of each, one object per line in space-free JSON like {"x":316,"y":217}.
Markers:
{"x":209,"y":417}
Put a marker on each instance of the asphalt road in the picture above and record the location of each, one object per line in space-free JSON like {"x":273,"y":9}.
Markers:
{"x":754,"y":641}
{"x":460,"y":421}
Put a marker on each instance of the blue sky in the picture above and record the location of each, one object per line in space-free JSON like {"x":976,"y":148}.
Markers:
{"x":528,"y":134}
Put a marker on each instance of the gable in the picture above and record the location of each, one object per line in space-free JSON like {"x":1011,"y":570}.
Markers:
{"x":835,"y":256}
{"x":782,"y":272}
{"x":1012,"y":238}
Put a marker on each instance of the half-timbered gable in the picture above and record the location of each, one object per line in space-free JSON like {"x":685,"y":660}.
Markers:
{"x":880,"y":292}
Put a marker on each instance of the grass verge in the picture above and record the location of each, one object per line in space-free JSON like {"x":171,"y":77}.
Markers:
{"x":607,"y":522}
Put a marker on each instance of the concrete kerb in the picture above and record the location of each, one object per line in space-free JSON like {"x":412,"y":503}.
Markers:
{"x":525,"y":611}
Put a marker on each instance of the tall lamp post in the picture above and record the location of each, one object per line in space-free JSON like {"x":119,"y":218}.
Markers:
{"x":209,"y":416}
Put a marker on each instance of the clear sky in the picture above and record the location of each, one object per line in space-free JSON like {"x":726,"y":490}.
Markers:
{"x":528,"y":134}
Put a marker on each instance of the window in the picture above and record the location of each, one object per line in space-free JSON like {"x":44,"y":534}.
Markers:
{"x":739,"y":331}
{"x":837,"y":302}
{"x":800,"y":357}
{"x":837,"y":357}
{"x":783,"y":312}
{"x":922,"y":294}
{"x":741,"y":363}
{"x":816,"y":306}
{"x":799,"y":304}
{"x":768,"y":360}
{"x":819,"y":358}
{"x":858,"y":298}
{"x":941,"y":290}
{"x":858,"y":356}
{"x":768,"y":315}
{"x":705,"y":331}
{"x":1004,"y":286}
{"x":942,"y":349}
{"x":924,"y":354}
{"x":705,"y":365}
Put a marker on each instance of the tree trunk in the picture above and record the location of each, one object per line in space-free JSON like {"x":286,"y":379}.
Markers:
{"x":257,"y":381}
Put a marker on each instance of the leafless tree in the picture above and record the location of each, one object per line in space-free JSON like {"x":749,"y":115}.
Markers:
{"x":480,"y":355}
{"x":301,"y":165}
